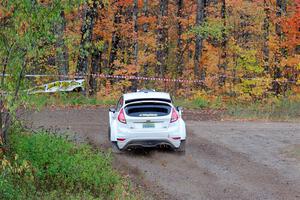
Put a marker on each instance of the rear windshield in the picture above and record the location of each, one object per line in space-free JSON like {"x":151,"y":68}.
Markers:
{"x":148,"y":110}
{"x":148,"y":99}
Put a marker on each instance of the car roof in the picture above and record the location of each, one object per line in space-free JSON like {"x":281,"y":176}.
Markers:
{"x":147,"y":95}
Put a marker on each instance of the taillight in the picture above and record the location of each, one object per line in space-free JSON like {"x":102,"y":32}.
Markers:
{"x":121,"y":116}
{"x":174,"y":116}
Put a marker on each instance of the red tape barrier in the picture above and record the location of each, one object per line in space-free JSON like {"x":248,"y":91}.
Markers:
{"x":145,"y":78}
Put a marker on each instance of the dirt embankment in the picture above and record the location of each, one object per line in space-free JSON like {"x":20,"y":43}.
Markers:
{"x":223,"y":160}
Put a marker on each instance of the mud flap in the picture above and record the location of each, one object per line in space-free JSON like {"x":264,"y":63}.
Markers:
{"x":181,"y":148}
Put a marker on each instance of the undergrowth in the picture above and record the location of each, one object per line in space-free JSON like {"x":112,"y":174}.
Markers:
{"x":68,"y":99}
{"x":270,"y":109}
{"x":47,"y":166}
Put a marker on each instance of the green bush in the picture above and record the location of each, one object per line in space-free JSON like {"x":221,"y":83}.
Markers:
{"x":200,"y":103}
{"x":66,"y":99}
{"x":16,"y":179}
{"x":57,"y":169}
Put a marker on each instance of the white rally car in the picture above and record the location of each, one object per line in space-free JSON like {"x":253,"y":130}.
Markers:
{"x":146,"y":119}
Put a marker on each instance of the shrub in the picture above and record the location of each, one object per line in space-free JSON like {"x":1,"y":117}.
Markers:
{"x":200,"y":103}
{"x":200,"y":100}
{"x":52,"y":167}
{"x":16,"y":179}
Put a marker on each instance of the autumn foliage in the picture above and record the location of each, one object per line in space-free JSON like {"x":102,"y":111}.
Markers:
{"x":248,"y":50}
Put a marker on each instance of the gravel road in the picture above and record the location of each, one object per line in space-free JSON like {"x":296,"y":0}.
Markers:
{"x":223,"y":160}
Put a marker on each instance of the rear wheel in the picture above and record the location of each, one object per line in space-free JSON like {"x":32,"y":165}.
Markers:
{"x":181,"y":148}
{"x":109,"y":136}
{"x":115,"y":148}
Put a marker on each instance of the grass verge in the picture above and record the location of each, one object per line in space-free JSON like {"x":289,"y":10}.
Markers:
{"x":282,"y":109}
{"x":68,"y":99}
{"x":45,"y":166}
{"x":200,"y":103}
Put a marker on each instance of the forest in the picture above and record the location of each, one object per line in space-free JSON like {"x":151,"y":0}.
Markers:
{"x":249,"y":50}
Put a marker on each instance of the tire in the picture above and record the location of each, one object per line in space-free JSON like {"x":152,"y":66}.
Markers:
{"x":181,"y":148}
{"x":108,"y":136}
{"x":115,"y":149}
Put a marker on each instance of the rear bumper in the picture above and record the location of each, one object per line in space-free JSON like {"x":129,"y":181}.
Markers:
{"x":126,"y":137}
{"x":148,"y":143}
{"x":174,"y":144}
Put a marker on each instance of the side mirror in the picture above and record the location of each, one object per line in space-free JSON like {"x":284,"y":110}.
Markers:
{"x":179,"y":108}
{"x":113,"y":110}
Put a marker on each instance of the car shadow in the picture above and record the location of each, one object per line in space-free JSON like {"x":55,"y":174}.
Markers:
{"x":150,"y":151}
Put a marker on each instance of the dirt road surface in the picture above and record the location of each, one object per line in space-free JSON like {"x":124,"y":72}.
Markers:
{"x":223,"y":160}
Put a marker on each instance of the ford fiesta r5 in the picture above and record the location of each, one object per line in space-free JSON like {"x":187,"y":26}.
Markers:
{"x":146,"y":119}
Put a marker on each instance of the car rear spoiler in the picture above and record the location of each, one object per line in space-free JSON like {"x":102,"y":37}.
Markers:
{"x":148,"y":99}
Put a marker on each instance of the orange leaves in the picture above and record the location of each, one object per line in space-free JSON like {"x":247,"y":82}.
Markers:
{"x":147,"y":59}
{"x":124,"y":2}
{"x":291,"y":28}
{"x":293,"y":61}
{"x":146,"y":20}
{"x":210,"y":58}
{"x":5,"y":13}
{"x":125,"y":69}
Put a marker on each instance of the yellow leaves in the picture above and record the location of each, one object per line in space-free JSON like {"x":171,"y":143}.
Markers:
{"x":23,"y":27}
{"x":5,"y":163}
{"x":199,"y":95}
{"x":131,"y":69}
{"x":14,"y":168}
{"x":254,"y":88}
{"x":298,"y":67}
{"x":146,"y":59}
{"x":126,"y":69}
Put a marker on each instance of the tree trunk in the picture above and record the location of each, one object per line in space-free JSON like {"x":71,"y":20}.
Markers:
{"x":7,"y":118}
{"x":61,"y":60}
{"x":95,"y":68}
{"x":199,"y":72}
{"x":145,"y":30}
{"x":90,"y":15}
{"x":145,"y":27}
{"x":115,"y":41}
{"x":162,"y":39}
{"x":180,"y":49}
{"x":135,"y":29}
{"x":146,"y":14}
{"x":2,"y":89}
{"x":135,"y":44}
{"x":266,"y":33}
{"x":223,"y":65}
{"x":280,"y":11}
{"x":179,"y":52}
{"x":1,"y":122}
{"x":2,"y":114}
